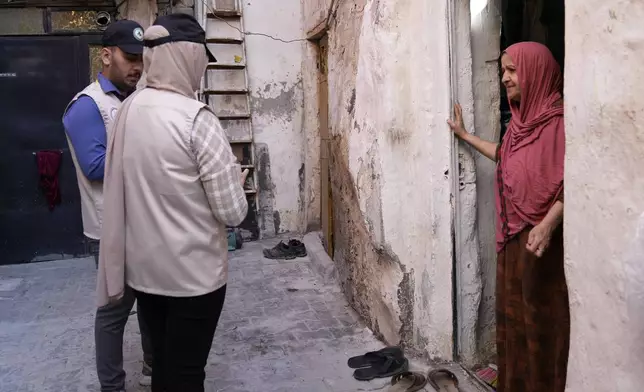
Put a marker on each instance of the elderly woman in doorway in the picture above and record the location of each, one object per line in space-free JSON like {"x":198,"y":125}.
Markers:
{"x":533,"y":319}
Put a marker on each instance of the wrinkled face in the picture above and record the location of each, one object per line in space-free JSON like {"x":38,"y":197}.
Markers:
{"x":510,"y":78}
{"x":122,"y":69}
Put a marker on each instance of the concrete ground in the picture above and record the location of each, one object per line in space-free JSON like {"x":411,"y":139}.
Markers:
{"x":285,"y":327}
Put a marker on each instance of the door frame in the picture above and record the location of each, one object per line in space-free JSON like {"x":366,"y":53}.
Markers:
{"x":326,"y":194}
{"x":466,"y":261}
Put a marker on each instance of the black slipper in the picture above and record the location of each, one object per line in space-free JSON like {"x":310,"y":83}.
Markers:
{"x":387,"y":368}
{"x":374,"y":357}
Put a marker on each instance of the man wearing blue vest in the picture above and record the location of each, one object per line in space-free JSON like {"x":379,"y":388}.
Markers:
{"x":87,"y":120}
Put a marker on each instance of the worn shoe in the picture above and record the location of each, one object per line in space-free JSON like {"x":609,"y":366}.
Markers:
{"x":298,"y":248}
{"x":286,"y":251}
{"x":146,"y":376}
{"x":280,"y":251}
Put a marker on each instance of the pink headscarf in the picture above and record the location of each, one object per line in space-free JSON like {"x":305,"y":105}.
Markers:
{"x":531,"y":156}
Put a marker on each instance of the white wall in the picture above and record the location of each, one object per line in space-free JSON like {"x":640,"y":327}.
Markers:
{"x":403,"y":63}
{"x":390,"y":165}
{"x":604,"y":191}
{"x":275,"y":80}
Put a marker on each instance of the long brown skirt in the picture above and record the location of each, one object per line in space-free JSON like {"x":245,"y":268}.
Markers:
{"x":533,"y":317}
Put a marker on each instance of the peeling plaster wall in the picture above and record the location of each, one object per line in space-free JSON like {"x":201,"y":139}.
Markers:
{"x":604,"y":191}
{"x":276,"y":97}
{"x":486,"y":32}
{"x":390,"y":165}
{"x":142,"y":11}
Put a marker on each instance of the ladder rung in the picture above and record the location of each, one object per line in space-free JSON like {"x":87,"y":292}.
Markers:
{"x":226,"y":66}
{"x":247,"y":166}
{"x":234,"y":116}
{"x":225,"y":92}
{"x":242,"y":141}
{"x":250,"y":191}
{"x":224,"y":14}
{"x":224,"y":40}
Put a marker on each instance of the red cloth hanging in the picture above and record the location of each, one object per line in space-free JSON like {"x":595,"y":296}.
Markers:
{"x":48,"y":167}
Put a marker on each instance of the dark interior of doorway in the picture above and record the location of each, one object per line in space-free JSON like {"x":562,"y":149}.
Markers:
{"x":531,"y":20}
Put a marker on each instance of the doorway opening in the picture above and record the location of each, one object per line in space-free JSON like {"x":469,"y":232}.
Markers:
{"x":497,"y":24}
{"x":540,"y":21}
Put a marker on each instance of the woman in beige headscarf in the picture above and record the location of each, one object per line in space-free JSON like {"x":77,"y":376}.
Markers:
{"x":172,"y":184}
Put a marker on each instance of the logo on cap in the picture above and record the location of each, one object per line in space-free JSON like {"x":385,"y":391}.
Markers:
{"x":138,"y":34}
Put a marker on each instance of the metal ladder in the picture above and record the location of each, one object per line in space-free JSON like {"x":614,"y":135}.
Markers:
{"x":225,"y":88}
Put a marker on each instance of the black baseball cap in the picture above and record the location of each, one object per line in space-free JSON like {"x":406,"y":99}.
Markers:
{"x":126,"y":35}
{"x":182,"y":27}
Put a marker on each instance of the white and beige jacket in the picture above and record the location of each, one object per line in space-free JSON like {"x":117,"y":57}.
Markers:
{"x":172,"y":184}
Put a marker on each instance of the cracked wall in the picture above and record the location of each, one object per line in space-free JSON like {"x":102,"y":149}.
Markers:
{"x":389,"y":157}
{"x":274,"y":71}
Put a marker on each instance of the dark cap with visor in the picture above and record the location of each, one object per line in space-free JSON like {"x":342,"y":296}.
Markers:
{"x":182,"y":27}
{"x":124,"y":34}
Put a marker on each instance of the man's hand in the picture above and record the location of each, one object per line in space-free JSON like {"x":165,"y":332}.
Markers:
{"x":244,"y":174}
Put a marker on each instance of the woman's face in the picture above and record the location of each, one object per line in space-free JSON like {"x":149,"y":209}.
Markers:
{"x":510,"y":78}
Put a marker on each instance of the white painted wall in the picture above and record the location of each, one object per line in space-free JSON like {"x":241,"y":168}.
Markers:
{"x":388,"y":102}
{"x":275,"y":81}
{"x":604,"y":191}
{"x":403,"y":62}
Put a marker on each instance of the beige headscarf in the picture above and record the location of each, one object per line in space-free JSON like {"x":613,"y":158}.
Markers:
{"x":174,"y":66}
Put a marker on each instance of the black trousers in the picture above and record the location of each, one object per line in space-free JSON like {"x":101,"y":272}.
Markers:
{"x":181,"y":331}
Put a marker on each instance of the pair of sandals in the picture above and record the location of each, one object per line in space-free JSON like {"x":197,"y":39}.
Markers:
{"x":391,"y":362}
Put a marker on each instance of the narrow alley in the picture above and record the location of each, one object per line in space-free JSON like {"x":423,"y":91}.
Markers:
{"x":285,"y":327}
{"x":465,"y":175}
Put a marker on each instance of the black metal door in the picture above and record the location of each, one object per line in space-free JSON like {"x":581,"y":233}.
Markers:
{"x":38,"y":78}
